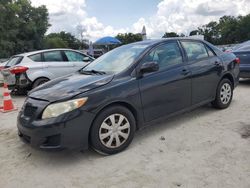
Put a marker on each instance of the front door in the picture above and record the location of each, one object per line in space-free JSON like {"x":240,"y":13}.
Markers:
{"x":169,"y":89}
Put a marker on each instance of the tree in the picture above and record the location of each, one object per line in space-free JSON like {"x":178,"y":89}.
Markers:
{"x":210,"y":32}
{"x":228,"y":30}
{"x":169,"y":35}
{"x":22,"y":26}
{"x":62,"y":40}
{"x":194,"y":32}
{"x":54,"y":42}
{"x":127,"y":38}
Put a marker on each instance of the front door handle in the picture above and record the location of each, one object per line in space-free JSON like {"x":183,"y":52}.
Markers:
{"x":185,"y":72}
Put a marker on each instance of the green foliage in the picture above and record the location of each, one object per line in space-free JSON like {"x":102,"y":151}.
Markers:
{"x":228,"y":30}
{"x":169,"y":35}
{"x":62,"y":40}
{"x":22,"y":26}
{"x":127,"y":38}
{"x":194,"y":32}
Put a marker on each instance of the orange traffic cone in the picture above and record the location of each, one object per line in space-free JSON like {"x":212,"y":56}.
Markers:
{"x":7,"y":101}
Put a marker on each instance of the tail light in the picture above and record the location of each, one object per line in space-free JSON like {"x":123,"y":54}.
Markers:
{"x":18,"y":70}
{"x":237,"y":60}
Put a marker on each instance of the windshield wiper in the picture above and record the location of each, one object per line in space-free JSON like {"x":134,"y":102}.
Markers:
{"x":92,"y":72}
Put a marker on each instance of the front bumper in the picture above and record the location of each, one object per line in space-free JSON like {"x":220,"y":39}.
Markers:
{"x":68,"y":131}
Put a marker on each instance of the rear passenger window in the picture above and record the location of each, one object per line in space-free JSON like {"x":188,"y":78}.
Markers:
{"x":36,"y":57}
{"x":53,"y":56}
{"x":165,"y":55}
{"x":194,"y":50}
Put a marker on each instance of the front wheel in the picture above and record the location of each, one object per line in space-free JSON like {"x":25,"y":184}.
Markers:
{"x":113,"y":130}
{"x":224,"y":94}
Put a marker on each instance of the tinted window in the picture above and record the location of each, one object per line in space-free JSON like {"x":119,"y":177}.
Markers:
{"x":165,"y":55}
{"x":36,"y":57}
{"x":14,"y":61}
{"x":53,"y":56}
{"x":74,"y":56}
{"x":194,"y":50}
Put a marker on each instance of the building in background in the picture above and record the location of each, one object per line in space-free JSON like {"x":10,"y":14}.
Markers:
{"x":144,"y":33}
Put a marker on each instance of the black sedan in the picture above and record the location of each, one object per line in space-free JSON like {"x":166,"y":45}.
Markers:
{"x":126,"y":89}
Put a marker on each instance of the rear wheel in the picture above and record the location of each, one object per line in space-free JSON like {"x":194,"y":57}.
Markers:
{"x":113,"y":130}
{"x":39,"y":82}
{"x":224,"y":94}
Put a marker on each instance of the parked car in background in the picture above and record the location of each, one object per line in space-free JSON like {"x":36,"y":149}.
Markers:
{"x":29,"y":70}
{"x":97,"y":53}
{"x":132,"y":86}
{"x":242,"y":51}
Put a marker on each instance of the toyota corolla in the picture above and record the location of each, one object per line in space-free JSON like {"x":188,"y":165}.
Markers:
{"x":103,"y":104}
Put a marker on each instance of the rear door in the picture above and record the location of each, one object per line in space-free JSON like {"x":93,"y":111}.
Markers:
{"x":57,"y":64}
{"x":169,"y":89}
{"x":205,"y":67}
{"x":77,"y":59}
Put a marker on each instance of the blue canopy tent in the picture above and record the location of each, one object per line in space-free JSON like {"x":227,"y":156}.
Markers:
{"x":107,"y":41}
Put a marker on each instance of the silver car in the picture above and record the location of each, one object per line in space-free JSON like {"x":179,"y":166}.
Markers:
{"x":29,"y":70}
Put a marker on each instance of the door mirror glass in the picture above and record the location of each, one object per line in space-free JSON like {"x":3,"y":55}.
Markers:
{"x":86,"y":59}
{"x":149,"y":67}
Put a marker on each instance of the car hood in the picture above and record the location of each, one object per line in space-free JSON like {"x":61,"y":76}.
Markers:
{"x":69,"y":86}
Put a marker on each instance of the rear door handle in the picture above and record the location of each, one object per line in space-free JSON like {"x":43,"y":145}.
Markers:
{"x":217,"y":63}
{"x":185,"y":71}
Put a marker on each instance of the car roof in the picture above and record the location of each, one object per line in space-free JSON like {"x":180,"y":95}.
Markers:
{"x":156,"y":41}
{"x":47,"y":50}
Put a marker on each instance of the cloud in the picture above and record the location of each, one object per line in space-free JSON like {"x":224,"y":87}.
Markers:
{"x":186,"y":15}
{"x":64,"y":15}
{"x":179,"y":16}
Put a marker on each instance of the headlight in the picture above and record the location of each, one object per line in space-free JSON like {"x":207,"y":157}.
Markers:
{"x":57,"y":109}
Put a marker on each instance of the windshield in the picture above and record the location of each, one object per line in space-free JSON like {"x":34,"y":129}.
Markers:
{"x":116,"y":60}
{"x":14,"y":61}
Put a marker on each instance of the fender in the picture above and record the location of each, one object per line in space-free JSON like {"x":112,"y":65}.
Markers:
{"x":34,"y":74}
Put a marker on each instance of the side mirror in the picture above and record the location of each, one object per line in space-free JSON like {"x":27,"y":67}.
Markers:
{"x":149,"y":67}
{"x":86,"y":59}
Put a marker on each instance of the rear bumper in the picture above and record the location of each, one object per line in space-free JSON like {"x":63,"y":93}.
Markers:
{"x":244,"y":74}
{"x":244,"y":71}
{"x":22,"y":81}
{"x":19,"y":81}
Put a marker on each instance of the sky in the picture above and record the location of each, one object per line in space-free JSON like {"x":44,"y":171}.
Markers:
{"x":99,"y":18}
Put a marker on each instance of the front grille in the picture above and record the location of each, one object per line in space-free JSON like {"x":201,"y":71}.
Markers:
{"x":29,"y":110}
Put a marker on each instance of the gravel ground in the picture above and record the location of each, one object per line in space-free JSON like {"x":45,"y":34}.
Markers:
{"x":202,"y":148}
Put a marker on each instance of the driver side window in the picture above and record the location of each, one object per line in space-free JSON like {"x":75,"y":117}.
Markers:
{"x":165,"y":55}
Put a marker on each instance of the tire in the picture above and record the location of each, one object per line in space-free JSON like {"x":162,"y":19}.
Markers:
{"x":39,"y":82}
{"x":224,"y":94}
{"x":105,"y":135}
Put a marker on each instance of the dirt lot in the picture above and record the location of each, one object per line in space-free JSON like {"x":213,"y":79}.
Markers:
{"x":203,"y":148}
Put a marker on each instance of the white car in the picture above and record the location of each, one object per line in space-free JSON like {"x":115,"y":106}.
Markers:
{"x":29,"y":70}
